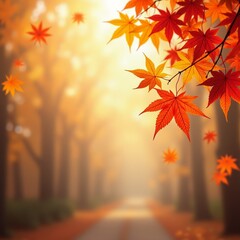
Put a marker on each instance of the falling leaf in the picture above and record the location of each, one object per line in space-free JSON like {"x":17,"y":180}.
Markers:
{"x":18,"y":63}
{"x":151,"y":76}
{"x":225,"y":87}
{"x":220,"y":177}
{"x":126,"y":26}
{"x":139,"y":5}
{"x":170,"y":156}
{"x":78,"y":17}
{"x":210,"y":136}
{"x":12,"y":84}
{"x":39,"y":33}
{"x":177,"y":107}
{"x":226,"y":164}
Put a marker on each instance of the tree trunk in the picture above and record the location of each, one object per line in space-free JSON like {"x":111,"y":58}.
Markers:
{"x":200,"y":200}
{"x":47,"y":153}
{"x":5,"y":69}
{"x":17,"y":174}
{"x":99,"y":181}
{"x":64,"y":181}
{"x":183,"y":201}
{"x":228,"y":136}
{"x":84,"y":176}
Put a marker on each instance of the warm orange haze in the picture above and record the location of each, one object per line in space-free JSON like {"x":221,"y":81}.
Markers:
{"x":115,"y":123}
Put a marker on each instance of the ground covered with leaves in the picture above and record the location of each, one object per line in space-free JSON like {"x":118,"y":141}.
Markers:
{"x":181,"y":225}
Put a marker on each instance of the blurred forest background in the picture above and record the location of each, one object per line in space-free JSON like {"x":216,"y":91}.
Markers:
{"x":74,"y":138}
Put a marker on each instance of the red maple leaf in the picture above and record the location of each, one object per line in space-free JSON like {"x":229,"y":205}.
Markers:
{"x":172,"y":56}
{"x":169,"y":22}
{"x":192,"y":9}
{"x":39,"y":33}
{"x":225,"y":87}
{"x":210,"y":136}
{"x":176,"y":107}
{"x":230,"y":18}
{"x":235,"y":51}
{"x":78,"y":17}
{"x":203,"y":42}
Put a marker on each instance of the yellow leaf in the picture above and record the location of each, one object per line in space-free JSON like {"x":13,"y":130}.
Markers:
{"x":145,"y":28}
{"x":197,"y":71}
{"x":126,"y":26}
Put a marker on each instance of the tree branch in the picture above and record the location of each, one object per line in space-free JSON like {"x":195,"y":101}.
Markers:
{"x":209,"y":52}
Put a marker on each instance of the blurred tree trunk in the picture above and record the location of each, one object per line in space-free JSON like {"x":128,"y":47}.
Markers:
{"x":64,"y":180}
{"x":48,"y":123}
{"x":229,"y":142}
{"x":99,"y":184}
{"x":5,"y":64}
{"x":84,"y":175}
{"x":17,"y":174}
{"x":166,"y":191}
{"x":184,"y":196}
{"x":200,"y":200}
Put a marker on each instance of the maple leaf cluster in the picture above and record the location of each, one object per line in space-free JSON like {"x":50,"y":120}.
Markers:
{"x":226,"y":164}
{"x":197,"y":51}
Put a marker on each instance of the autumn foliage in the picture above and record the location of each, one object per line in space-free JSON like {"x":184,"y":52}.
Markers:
{"x":197,"y":52}
{"x":203,"y":44}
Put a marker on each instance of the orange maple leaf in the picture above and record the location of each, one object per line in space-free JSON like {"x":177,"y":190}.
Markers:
{"x":18,"y":63}
{"x":210,"y":136}
{"x":126,"y":26}
{"x":170,"y":156}
{"x":235,"y":62}
{"x":174,"y":106}
{"x":220,"y":177}
{"x":39,"y":33}
{"x":78,"y":17}
{"x":152,"y":76}
{"x":227,"y":164}
{"x":215,"y":10}
{"x":12,"y":84}
{"x":139,"y":5}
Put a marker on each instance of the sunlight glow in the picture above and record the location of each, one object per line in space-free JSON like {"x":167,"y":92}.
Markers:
{"x":40,"y":9}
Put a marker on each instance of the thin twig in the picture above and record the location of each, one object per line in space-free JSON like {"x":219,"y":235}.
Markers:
{"x":209,"y":52}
